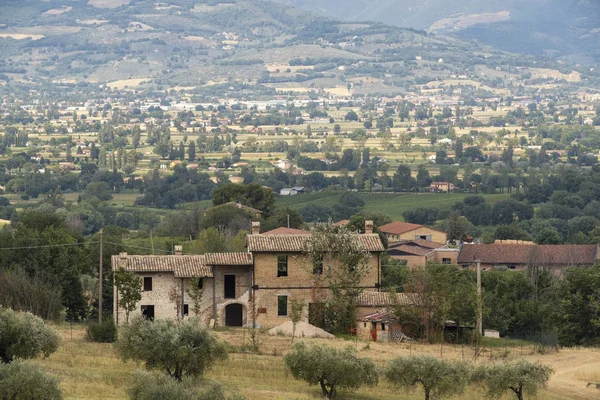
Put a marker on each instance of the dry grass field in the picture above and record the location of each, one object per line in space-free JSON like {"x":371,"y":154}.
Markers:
{"x":94,"y":371}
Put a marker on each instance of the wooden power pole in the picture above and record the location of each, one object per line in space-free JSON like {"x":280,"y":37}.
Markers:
{"x":100,"y":294}
{"x":479,"y":301}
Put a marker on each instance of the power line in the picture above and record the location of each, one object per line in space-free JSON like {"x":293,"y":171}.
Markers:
{"x":136,"y":247}
{"x":46,"y":246}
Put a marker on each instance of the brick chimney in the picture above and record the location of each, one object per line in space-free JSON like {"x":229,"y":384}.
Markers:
{"x":178,"y":250}
{"x":368,"y":227}
{"x":256,"y":228}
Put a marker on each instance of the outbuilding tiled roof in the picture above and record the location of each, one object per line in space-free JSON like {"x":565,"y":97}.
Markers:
{"x":182,"y":266}
{"x":286,"y":231}
{"x":514,"y":254}
{"x":228,"y":258}
{"x":397,"y":228}
{"x":297,"y":243}
{"x":384,"y":299}
{"x":412,"y":250}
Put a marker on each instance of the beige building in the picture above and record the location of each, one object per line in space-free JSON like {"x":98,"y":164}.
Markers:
{"x":274,"y":270}
{"x":419,"y":252}
{"x":398,"y":231}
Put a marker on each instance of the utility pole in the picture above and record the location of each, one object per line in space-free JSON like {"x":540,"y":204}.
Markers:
{"x":288,"y":220}
{"x":100,"y":295}
{"x":479,"y":301}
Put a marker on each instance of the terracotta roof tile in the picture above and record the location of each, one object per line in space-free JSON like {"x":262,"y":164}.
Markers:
{"x":182,"y":266}
{"x":297,"y":243}
{"x":548,"y":254}
{"x":286,"y":231}
{"x":228,"y":258}
{"x":397,"y":228}
{"x":384,"y":299}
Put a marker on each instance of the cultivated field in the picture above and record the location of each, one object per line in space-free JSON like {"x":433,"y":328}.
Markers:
{"x":392,"y":205}
{"x":94,"y":371}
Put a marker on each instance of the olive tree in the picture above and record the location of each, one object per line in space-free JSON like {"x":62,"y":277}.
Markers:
{"x":331,"y":368}
{"x":521,"y":377}
{"x":160,"y":387}
{"x":439,"y":378}
{"x":23,"y":335}
{"x":178,"y":348}
{"x":22,"y":381}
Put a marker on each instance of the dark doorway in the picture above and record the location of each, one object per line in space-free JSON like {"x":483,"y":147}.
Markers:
{"x":233,"y":315}
{"x":230,"y":286}
{"x":148,"y":312}
{"x":316,"y":314}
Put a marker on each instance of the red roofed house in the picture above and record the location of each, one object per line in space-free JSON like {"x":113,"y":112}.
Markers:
{"x":554,"y":257}
{"x":397,"y":231}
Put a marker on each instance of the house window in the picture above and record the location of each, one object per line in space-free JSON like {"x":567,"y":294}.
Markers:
{"x":512,"y":267}
{"x":229,"y":286}
{"x":318,"y":266}
{"x":282,"y":306}
{"x":364,"y":324}
{"x":424,"y":237}
{"x":446,"y":261}
{"x":200,"y":283}
{"x":147,"y":284}
{"x":282,"y":266}
{"x":382,"y":326}
{"x":148,"y":312}
{"x":186,"y":309}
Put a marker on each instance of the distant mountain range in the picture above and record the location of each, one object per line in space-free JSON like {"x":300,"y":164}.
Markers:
{"x":563,"y":28}
{"x":213,"y":47}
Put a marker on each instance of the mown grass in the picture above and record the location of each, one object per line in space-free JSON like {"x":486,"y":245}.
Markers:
{"x":392,"y":205}
{"x":95,"y":371}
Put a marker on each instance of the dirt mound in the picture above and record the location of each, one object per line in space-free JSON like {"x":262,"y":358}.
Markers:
{"x":303,"y":330}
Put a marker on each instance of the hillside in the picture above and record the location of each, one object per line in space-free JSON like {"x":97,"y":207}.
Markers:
{"x":556,"y":27}
{"x":212,"y":47}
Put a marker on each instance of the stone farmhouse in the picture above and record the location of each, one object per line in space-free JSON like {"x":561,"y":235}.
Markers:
{"x":261,"y":281}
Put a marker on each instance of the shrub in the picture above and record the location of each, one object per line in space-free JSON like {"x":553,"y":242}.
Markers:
{"x":22,"y":381}
{"x":178,"y":348}
{"x":23,"y":335}
{"x":106,"y":332}
{"x":331,"y":368}
{"x":439,"y":378}
{"x":160,"y":387}
{"x":521,"y":377}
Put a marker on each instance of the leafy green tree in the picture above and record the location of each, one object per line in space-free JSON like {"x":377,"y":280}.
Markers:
{"x":522,"y":377}
{"x":334,"y":370}
{"x":351,"y":116}
{"x":129,"y":288}
{"x":23,"y":336}
{"x":23,"y":381}
{"x":403,"y":178}
{"x":178,"y":348}
{"x":195,"y":293}
{"x":252,"y":195}
{"x":439,"y":378}
{"x":280,"y":217}
{"x":511,"y":232}
{"x":456,"y":227}
{"x":577,"y":312}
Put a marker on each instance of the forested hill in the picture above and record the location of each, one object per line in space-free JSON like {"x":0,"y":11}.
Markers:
{"x":218,"y":44}
{"x":560,"y":27}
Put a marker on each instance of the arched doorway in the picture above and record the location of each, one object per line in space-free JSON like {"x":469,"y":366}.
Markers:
{"x":234,"y":315}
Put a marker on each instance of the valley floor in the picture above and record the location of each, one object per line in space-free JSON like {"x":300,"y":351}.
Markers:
{"x":94,"y":371}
